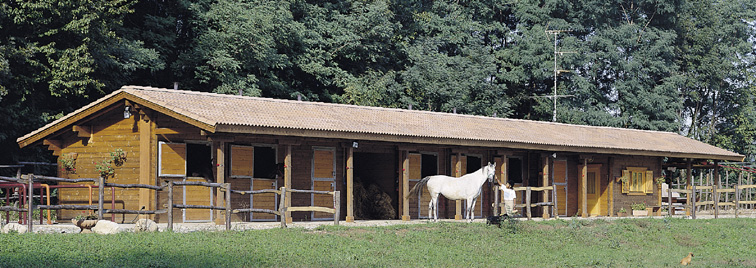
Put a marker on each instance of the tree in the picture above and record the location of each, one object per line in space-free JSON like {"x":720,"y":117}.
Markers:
{"x":717,"y":66}
{"x":57,"y":56}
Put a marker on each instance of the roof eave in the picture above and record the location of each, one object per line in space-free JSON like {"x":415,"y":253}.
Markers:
{"x":226,"y":128}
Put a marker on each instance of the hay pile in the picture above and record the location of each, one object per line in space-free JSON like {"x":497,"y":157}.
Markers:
{"x":372,"y":203}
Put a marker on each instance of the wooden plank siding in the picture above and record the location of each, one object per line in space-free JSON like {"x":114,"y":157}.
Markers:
{"x":110,"y":132}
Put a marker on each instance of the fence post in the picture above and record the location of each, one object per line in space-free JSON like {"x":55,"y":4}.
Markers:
{"x":227,"y":186}
{"x":715,"y":196}
{"x":336,"y":207}
{"x":170,"y":205}
{"x":670,"y":210}
{"x":30,"y":204}
{"x":282,"y":207}
{"x":737,"y":199}
{"x":692,"y":199}
{"x":554,"y":199}
{"x":496,"y":201}
{"x":527,"y":201}
{"x":101,"y":201}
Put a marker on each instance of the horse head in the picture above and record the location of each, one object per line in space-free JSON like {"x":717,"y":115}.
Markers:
{"x":490,"y":171}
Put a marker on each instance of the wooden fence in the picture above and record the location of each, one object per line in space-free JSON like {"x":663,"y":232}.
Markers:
{"x":283,"y":192}
{"x":528,"y":199}
{"x":702,"y":193}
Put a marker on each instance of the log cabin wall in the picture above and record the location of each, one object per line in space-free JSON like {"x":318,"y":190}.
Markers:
{"x":625,"y":200}
{"x":109,"y":132}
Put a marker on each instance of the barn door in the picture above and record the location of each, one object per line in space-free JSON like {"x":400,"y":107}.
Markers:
{"x":560,"y":180}
{"x":323,"y":179}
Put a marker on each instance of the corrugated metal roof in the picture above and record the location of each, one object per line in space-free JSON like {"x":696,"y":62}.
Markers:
{"x":231,"y":111}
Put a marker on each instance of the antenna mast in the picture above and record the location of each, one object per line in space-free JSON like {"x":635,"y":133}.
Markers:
{"x":557,"y":71}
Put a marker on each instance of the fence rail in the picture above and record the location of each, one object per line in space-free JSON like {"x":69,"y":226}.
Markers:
{"x":528,"y":197}
{"x":283,"y":194}
{"x":699,"y":193}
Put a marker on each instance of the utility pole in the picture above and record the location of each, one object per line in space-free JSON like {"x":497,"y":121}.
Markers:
{"x":557,"y":71}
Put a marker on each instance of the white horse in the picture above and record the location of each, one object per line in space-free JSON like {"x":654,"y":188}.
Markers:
{"x":467,"y":187}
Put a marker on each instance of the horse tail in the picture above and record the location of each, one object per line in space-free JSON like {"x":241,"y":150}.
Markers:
{"x":418,"y":188}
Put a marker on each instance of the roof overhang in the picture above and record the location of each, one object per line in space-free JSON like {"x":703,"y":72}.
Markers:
{"x":107,"y":103}
{"x":461,"y":142}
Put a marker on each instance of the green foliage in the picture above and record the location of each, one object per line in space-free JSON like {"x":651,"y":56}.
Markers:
{"x":683,"y":66}
{"x":106,"y":168}
{"x":638,"y":206}
{"x":619,"y":243}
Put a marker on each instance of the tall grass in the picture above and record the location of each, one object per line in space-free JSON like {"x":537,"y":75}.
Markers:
{"x":557,"y":243}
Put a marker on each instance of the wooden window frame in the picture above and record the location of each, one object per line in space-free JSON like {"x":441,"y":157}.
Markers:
{"x":637,"y":181}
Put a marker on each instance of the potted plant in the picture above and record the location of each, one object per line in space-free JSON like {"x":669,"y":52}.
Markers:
{"x":68,"y":163}
{"x":622,"y":212}
{"x":105,"y":168}
{"x":639,"y":209}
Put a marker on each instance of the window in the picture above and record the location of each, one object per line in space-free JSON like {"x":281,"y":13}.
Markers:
{"x":253,"y":162}
{"x":637,"y":180}
{"x":185,"y":160}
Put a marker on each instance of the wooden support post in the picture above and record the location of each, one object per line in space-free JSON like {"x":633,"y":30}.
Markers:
{"x":30,"y":204}
{"x":282,"y":207}
{"x":544,"y":183}
{"x":336,"y":207}
{"x":145,"y":125}
{"x":527,"y":202}
{"x":227,"y":186}
{"x":220,"y":177}
{"x":610,"y":182}
{"x":688,"y":183}
{"x":350,"y":184}
{"x":504,"y":175}
{"x":405,"y":185}
{"x":170,"y":205}
{"x":287,"y":182}
{"x":714,"y":189}
{"x":458,"y":173}
{"x":584,"y":189}
{"x":101,"y":199}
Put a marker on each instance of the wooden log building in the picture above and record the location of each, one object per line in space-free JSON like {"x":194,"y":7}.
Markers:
{"x":260,"y":143}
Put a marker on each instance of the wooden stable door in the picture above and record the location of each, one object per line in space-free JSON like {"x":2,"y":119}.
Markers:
{"x":264,"y":201}
{"x":560,"y":181}
{"x":323,"y":179}
{"x":197,"y":195}
{"x":418,"y":205}
{"x":595,"y":196}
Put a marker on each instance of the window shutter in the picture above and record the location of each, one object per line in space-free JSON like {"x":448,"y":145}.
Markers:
{"x":625,"y":181}
{"x":649,"y":182}
{"x":172,"y":159}
{"x":242,"y":161}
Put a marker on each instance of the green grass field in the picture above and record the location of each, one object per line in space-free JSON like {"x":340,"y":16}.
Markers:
{"x":557,"y":243}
